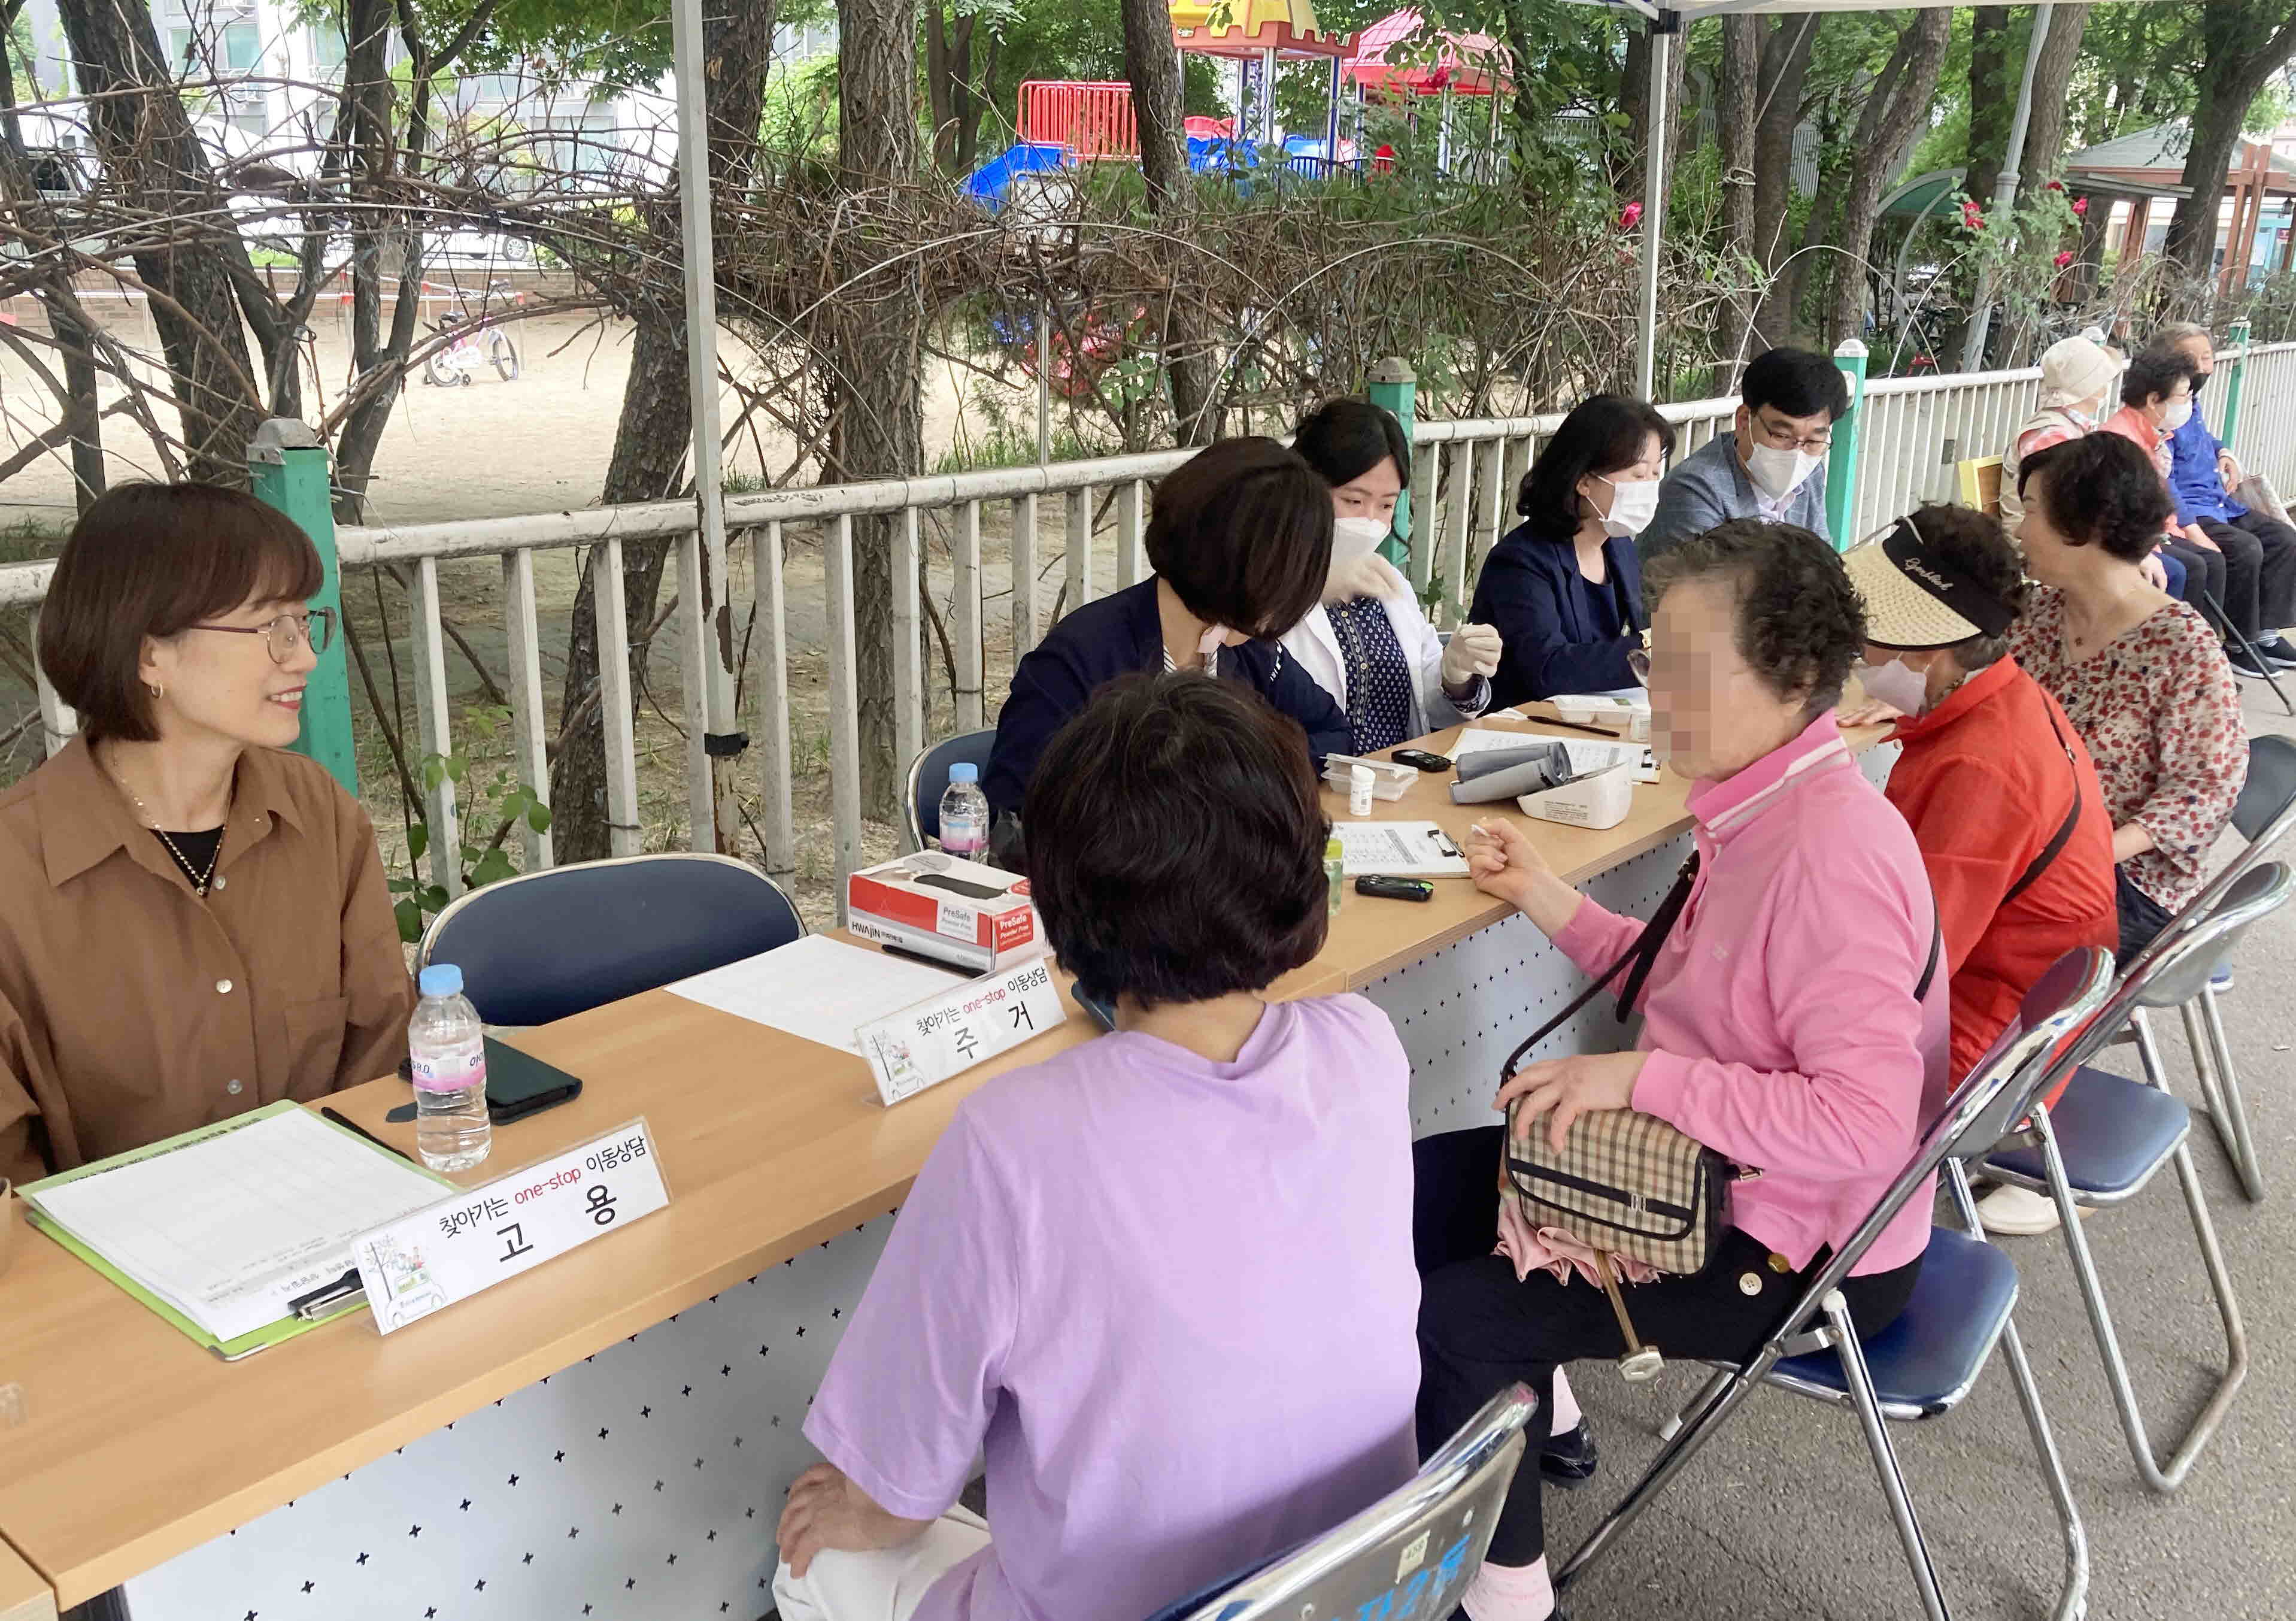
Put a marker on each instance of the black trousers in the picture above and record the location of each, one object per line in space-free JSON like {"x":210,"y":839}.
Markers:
{"x":2142,"y":917}
{"x":2259,"y":556}
{"x":1480,"y":1329}
{"x":2205,"y":571}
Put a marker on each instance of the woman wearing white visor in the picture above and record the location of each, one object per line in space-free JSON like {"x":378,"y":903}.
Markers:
{"x":1368,"y":644}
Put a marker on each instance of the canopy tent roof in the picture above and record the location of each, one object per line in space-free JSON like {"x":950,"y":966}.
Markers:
{"x":1255,"y":28}
{"x":1465,"y":64}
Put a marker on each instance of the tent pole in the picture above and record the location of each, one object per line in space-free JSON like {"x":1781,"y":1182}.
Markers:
{"x":1662,"y":33}
{"x":1268,"y":97}
{"x":2004,"y":191}
{"x":1332,"y":121}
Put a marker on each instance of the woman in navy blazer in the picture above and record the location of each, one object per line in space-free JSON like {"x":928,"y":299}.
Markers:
{"x":1564,"y":589}
{"x":1240,"y":540}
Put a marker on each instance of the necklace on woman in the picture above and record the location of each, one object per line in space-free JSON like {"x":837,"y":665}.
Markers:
{"x":199,"y":881}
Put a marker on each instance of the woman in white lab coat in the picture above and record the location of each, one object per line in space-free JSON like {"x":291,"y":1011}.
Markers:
{"x":1367,"y":642}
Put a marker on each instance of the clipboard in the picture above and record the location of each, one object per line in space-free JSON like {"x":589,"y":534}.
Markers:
{"x":310,"y":1312}
{"x":1398,"y":850}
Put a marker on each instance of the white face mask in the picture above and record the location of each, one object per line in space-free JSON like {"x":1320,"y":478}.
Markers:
{"x":1634,"y":503}
{"x":1353,"y":539}
{"x":2180,"y":412}
{"x":1903,"y":688}
{"x":1779,"y":473}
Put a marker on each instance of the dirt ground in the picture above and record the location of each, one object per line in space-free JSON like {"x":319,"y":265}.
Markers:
{"x":537,"y":444}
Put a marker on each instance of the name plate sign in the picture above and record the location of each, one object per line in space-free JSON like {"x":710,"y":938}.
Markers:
{"x":449,"y":1251}
{"x":948,"y":1034}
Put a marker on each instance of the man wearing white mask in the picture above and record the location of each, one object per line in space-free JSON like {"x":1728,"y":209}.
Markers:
{"x":1772,"y":465}
{"x":1565,"y":587}
{"x":1367,"y":642}
{"x":1994,"y":780}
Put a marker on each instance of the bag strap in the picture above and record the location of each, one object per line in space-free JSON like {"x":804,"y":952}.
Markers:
{"x":2064,"y":832}
{"x":1642,"y":954}
{"x":1936,"y":944}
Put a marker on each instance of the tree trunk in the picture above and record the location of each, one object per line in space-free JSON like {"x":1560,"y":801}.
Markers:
{"x":1992,"y":101}
{"x":67,"y":320}
{"x":1885,"y":129}
{"x":2240,"y":57}
{"x":1634,"y":101}
{"x":1737,"y":103}
{"x":656,"y":428}
{"x":2045,"y":135}
{"x":1785,"y":64}
{"x":879,"y":431}
{"x":1152,"y":62}
{"x":144,"y":136}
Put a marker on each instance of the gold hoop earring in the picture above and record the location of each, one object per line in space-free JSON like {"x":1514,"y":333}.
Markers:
{"x":158,"y":691}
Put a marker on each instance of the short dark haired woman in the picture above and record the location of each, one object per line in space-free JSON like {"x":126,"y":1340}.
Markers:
{"x":1123,"y":1387}
{"x":192,"y":922}
{"x":1368,"y":643}
{"x":1240,"y":540}
{"x":2142,"y":677}
{"x":1565,"y":589}
{"x":1784,"y":1023}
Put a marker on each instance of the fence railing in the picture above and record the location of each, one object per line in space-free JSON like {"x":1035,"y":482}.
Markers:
{"x":1072,"y":532}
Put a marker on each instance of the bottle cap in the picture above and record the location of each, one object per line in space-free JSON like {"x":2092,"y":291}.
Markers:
{"x":441,"y":979}
{"x":1334,"y":846}
{"x":965,"y":771}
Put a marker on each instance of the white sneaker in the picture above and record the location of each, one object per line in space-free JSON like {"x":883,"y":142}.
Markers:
{"x":2017,"y":1213}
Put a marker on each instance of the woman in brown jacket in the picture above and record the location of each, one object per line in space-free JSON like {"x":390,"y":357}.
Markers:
{"x":193,"y":922}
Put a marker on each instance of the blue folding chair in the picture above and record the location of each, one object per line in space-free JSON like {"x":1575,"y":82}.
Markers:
{"x":928,"y":780}
{"x":1411,"y":1554}
{"x":547,"y":944}
{"x":1924,"y":1361}
{"x":2264,"y":812}
{"x":2107,"y":1136}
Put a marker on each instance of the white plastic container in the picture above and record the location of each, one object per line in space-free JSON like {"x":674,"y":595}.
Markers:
{"x":1359,"y":786}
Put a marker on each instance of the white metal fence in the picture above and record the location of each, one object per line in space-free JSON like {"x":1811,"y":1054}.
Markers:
{"x":1087,"y":517}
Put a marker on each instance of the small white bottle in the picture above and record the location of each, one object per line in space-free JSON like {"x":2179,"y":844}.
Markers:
{"x":964,"y":813}
{"x":447,"y":1045}
{"x":1359,"y":787}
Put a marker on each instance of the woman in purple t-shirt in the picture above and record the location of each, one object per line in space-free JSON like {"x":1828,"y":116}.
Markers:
{"x":1163,"y":1280}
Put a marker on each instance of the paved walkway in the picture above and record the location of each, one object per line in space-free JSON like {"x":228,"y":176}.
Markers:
{"x":1780,"y":1518}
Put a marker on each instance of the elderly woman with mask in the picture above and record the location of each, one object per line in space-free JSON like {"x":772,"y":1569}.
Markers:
{"x":1367,"y":644}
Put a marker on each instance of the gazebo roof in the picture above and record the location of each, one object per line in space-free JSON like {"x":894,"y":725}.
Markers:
{"x":2151,"y":163}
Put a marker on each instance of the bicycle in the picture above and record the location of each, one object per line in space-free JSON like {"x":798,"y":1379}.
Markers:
{"x":452,"y":366}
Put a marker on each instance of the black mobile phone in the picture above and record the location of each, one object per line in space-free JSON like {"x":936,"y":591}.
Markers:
{"x":1421,"y":760}
{"x":1388,"y":888}
{"x":1104,"y":1014}
{"x":519,"y":1084}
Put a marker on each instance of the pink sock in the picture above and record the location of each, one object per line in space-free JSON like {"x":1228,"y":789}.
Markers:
{"x":1565,"y":1416}
{"x":1510,"y":1592}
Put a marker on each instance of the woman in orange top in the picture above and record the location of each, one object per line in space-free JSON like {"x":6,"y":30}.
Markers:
{"x":1994,"y":781}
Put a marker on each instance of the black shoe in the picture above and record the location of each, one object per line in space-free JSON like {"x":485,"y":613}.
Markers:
{"x":1570,"y":1459}
{"x":2243,"y":665}
{"x":2278,"y":653}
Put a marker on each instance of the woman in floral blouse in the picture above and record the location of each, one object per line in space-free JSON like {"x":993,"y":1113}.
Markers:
{"x":2140,"y":674}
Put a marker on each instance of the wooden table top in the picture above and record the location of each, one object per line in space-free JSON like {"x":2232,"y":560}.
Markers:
{"x":139,"y":1444}
{"x":24,"y":1594}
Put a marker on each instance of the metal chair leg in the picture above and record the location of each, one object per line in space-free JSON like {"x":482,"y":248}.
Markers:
{"x":2161,"y":1478}
{"x":1672,"y":1456}
{"x":2233,"y":1113}
{"x":2255,"y":659}
{"x":1705,"y":1392}
{"x":1867,"y":1403}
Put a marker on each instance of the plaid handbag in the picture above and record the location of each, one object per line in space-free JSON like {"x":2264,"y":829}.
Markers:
{"x":1627,"y":1183}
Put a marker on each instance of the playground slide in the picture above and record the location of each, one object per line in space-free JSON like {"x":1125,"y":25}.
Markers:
{"x":994,"y":178}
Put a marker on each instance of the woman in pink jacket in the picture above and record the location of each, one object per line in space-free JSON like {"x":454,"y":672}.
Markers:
{"x":1783,"y":1026}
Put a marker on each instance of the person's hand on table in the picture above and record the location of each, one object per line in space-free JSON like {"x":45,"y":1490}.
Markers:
{"x":826,"y":1510}
{"x":1564,"y":1088}
{"x":1473,"y":651}
{"x":2154,"y":574}
{"x":1868,"y":711}
{"x":1505,"y":863}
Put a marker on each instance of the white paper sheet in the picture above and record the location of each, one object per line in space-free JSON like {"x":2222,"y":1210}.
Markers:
{"x":1401,"y":850}
{"x":818,"y":988}
{"x":230,"y":1230}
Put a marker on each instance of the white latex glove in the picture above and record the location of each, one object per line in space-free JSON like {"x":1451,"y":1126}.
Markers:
{"x":2154,"y":574}
{"x":1371,"y":575}
{"x":1475,"y":651}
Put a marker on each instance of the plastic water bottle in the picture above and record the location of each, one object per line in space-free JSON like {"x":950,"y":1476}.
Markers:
{"x":964,"y":813}
{"x":447,"y":1046}
{"x":1335,"y":870}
